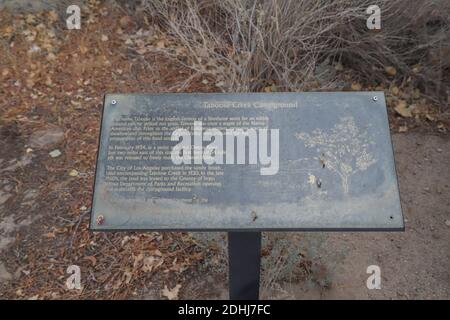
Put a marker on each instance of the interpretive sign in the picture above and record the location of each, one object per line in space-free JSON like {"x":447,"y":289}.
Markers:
{"x":279,"y":161}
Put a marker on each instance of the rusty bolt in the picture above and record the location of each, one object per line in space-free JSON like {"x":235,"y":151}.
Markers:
{"x":100,"y":219}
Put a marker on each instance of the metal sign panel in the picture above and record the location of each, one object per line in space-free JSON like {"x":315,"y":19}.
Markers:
{"x":256,"y":161}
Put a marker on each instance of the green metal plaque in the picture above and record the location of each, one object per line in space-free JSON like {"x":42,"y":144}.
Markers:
{"x":278,"y":161}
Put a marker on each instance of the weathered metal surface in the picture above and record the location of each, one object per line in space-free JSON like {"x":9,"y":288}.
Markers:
{"x":335,"y":170}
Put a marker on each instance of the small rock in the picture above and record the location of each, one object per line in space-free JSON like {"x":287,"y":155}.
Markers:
{"x":55,"y":153}
{"x":46,"y":138}
{"x":73,"y":173}
{"x":447,"y":223}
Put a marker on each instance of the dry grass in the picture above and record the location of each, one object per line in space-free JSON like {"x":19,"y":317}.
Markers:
{"x":298,"y":44}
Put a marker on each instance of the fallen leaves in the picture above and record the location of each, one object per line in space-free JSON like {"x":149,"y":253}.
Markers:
{"x":402,"y":109}
{"x":395,"y":90}
{"x":151,"y":263}
{"x":391,"y":71}
{"x":7,"y":30}
{"x":171,"y":294}
{"x":339,"y":67}
{"x":271,"y":88}
{"x":83,"y":49}
{"x":161,"y":44}
{"x":58,"y":83}
{"x":127,"y":275}
{"x":73,"y":173}
{"x":416,"y":68}
{"x":356,"y":86}
{"x":52,"y":16}
{"x":91,"y":259}
{"x":50,"y":235}
{"x":441,"y":127}
{"x":125,"y":22}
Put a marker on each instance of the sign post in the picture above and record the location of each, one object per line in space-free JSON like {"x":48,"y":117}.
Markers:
{"x":246,"y":163}
{"x":244,"y":254}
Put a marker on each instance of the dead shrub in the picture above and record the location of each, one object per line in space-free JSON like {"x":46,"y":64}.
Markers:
{"x":298,"y":44}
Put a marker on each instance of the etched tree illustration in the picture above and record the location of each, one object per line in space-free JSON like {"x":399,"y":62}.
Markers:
{"x":343,"y":150}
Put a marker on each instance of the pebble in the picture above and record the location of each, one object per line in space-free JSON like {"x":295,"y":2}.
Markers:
{"x":55,"y":153}
{"x":447,"y":223}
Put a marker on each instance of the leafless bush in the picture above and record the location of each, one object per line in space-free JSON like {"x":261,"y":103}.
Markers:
{"x":294,"y":44}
